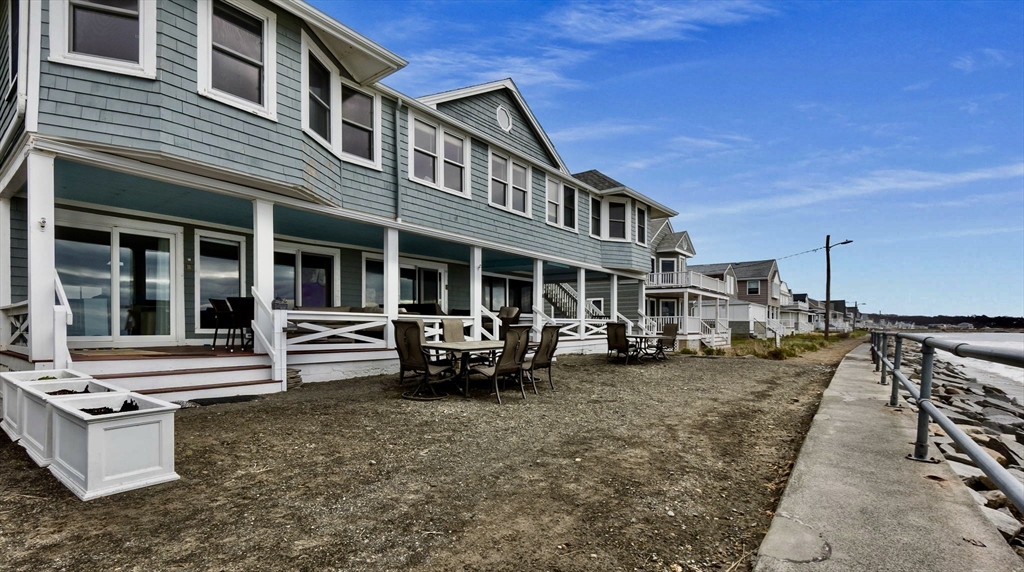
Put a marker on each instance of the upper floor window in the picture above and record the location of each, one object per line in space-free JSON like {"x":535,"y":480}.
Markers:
{"x":561,"y":201}
{"x":510,"y":185}
{"x":641,"y":226}
{"x":340,"y":117}
{"x":668,"y":265}
{"x":439,"y":157}
{"x":237,"y":55}
{"x":13,"y":37}
{"x":617,"y":220}
{"x":110,"y":35}
{"x":595,"y":219}
{"x":753,"y":287}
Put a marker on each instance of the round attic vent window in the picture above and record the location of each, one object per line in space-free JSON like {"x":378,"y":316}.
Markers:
{"x":504,"y":118}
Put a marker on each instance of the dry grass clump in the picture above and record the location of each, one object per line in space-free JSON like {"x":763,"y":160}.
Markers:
{"x":792,"y":346}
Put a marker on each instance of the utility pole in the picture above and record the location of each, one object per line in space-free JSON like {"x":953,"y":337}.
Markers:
{"x":828,"y":278}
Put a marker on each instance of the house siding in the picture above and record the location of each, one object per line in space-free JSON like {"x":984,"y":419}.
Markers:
{"x":480,"y":111}
{"x":19,"y":249}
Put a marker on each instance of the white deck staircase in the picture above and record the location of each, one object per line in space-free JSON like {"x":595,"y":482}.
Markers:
{"x":565,"y":301}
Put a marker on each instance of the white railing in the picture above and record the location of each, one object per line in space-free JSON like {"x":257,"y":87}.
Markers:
{"x":629,"y":323}
{"x":14,"y":334}
{"x":775,"y":326}
{"x":647,"y":325}
{"x":687,"y":324}
{"x":582,"y":329}
{"x":271,"y":342}
{"x":566,"y":298}
{"x":491,"y":334}
{"x":334,"y":330}
{"x":687,"y":279}
{"x":433,"y":328}
{"x":62,"y":318}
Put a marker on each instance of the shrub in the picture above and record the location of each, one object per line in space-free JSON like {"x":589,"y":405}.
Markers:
{"x":843,"y":335}
{"x":776,"y":353}
{"x":687,"y":351}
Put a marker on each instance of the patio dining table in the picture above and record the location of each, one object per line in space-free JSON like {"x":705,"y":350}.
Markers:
{"x":464,"y":349}
{"x":643,"y":344}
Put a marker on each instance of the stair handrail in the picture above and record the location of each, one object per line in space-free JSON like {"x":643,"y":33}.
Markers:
{"x":647,"y":325}
{"x":629,"y":323}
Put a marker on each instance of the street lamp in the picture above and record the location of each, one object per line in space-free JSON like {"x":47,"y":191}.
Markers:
{"x":828,"y":278}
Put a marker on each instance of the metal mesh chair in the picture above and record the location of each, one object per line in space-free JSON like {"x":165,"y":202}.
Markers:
{"x":510,"y":362}
{"x":618,"y":343}
{"x":543,"y":357}
{"x":667,"y":341}
{"x":415,"y":358}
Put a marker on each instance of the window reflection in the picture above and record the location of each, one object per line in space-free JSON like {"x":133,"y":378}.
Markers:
{"x":83,"y":264}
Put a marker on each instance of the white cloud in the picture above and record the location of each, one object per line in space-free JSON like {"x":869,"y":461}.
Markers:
{"x":965,"y":64}
{"x":986,"y":58}
{"x":963,"y":233}
{"x":606,"y":23}
{"x":921,"y":85}
{"x":687,"y":148}
{"x":801,"y":193}
{"x":597,"y":131}
{"x":1011,"y":196}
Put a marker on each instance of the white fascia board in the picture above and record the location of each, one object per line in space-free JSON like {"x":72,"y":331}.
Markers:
{"x":640,"y":197}
{"x":377,"y":61}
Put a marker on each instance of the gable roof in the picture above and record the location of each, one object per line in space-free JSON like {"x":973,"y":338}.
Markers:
{"x":507,"y":83}
{"x":754,"y":269}
{"x":710,"y":269}
{"x":605,"y":185}
{"x":677,"y":242}
{"x":363,"y":58}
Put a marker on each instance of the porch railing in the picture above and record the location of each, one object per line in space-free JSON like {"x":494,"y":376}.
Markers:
{"x":687,"y":279}
{"x":491,"y":334}
{"x":927,"y":411}
{"x":629,"y":323}
{"x":647,"y":325}
{"x":62,"y":318}
{"x":14,"y":333}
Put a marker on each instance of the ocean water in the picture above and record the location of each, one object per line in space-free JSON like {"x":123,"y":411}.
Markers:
{"x":1009,"y":379}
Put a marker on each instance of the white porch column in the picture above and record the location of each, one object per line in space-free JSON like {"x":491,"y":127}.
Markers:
{"x":40,"y":256}
{"x":391,"y":284}
{"x":263,"y":266}
{"x":642,"y":304}
{"x":538,"y":294}
{"x":581,"y":305}
{"x":686,"y":313}
{"x":5,"y":266}
{"x":476,"y":288}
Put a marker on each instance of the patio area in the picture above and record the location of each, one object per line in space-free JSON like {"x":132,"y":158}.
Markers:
{"x":620,"y":468}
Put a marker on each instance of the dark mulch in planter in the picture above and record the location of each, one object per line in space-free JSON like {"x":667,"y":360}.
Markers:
{"x":128,"y":405}
{"x":68,"y":392}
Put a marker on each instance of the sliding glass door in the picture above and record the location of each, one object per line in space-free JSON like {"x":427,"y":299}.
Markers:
{"x":120,"y":283}
{"x":307,"y":276}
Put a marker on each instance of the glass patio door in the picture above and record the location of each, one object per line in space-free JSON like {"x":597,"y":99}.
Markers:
{"x":144,"y":284}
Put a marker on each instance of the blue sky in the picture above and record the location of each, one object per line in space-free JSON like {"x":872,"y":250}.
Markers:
{"x":898,"y":125}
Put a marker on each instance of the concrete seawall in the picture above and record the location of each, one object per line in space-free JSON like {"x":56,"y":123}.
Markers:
{"x":855,"y":503}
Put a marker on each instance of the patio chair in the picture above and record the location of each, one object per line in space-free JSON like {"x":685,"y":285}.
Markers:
{"x":509,"y":362}
{"x":509,"y":316}
{"x":667,"y":341}
{"x":619,"y":344}
{"x":413,"y":357}
{"x":222,"y":318}
{"x":243,"y":312}
{"x":454,"y":330}
{"x":542,"y":358}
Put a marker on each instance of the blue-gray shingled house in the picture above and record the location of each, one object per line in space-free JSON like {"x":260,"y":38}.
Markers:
{"x":157,"y":155}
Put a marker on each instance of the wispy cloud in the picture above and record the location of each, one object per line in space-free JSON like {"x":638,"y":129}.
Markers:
{"x":800,"y":193}
{"x":1010,"y":196}
{"x":687,"y":148}
{"x":438,"y":70}
{"x":985,"y":58}
{"x":611,"y":22}
{"x":599,"y":130}
{"x":964,"y":233}
{"x":921,"y":85}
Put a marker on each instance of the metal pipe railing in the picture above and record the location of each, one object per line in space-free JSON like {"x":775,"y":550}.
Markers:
{"x":926,"y":410}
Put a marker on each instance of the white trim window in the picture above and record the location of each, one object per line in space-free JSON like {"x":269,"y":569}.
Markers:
{"x":597,"y":303}
{"x":562,"y":204}
{"x":618,"y":220}
{"x":509,"y":185}
{"x":337,"y":115}
{"x":439,"y":158}
{"x":219,"y":273}
{"x":595,"y":219}
{"x":753,"y":287}
{"x":641,"y":226}
{"x":111,"y":35}
{"x":237,"y":55}
{"x":13,"y":41}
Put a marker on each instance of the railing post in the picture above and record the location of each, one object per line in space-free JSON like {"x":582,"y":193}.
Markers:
{"x":881,"y":359}
{"x":874,"y":346}
{"x":894,"y":397}
{"x":60,"y":337}
{"x":921,"y":445}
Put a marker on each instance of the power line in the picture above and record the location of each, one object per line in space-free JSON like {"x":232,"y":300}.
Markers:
{"x":813,"y":250}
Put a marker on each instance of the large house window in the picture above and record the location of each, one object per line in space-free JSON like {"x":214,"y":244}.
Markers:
{"x":237,"y":54}
{"x":561,"y":201}
{"x":753,"y":287}
{"x":439,"y":157}
{"x":111,"y":35}
{"x":220,"y":273}
{"x":595,"y":218}
{"x":641,"y":226}
{"x":510,"y":185}
{"x":306,"y":275}
{"x":617,"y":220}
{"x":338,"y":116}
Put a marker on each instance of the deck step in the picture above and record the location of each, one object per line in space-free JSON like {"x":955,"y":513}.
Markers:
{"x":231,"y":389}
{"x":196,"y":371}
{"x":136,"y":367}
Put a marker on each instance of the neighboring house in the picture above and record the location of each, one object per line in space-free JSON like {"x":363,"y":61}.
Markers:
{"x":839,"y":317}
{"x":758,"y":285}
{"x":795,"y":314}
{"x":248,"y":149}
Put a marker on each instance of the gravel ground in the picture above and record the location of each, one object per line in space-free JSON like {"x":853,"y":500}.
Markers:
{"x":661,"y":466}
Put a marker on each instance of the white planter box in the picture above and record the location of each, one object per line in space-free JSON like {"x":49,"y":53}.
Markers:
{"x":99,"y":455}
{"x":11,"y":388}
{"x":36,"y":413}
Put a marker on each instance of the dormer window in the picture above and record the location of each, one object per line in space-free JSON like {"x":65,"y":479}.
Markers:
{"x":617,"y":221}
{"x":110,"y":35}
{"x":338,"y":116}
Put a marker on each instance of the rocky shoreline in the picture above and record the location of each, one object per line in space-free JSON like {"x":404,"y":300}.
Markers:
{"x":993,"y":419}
